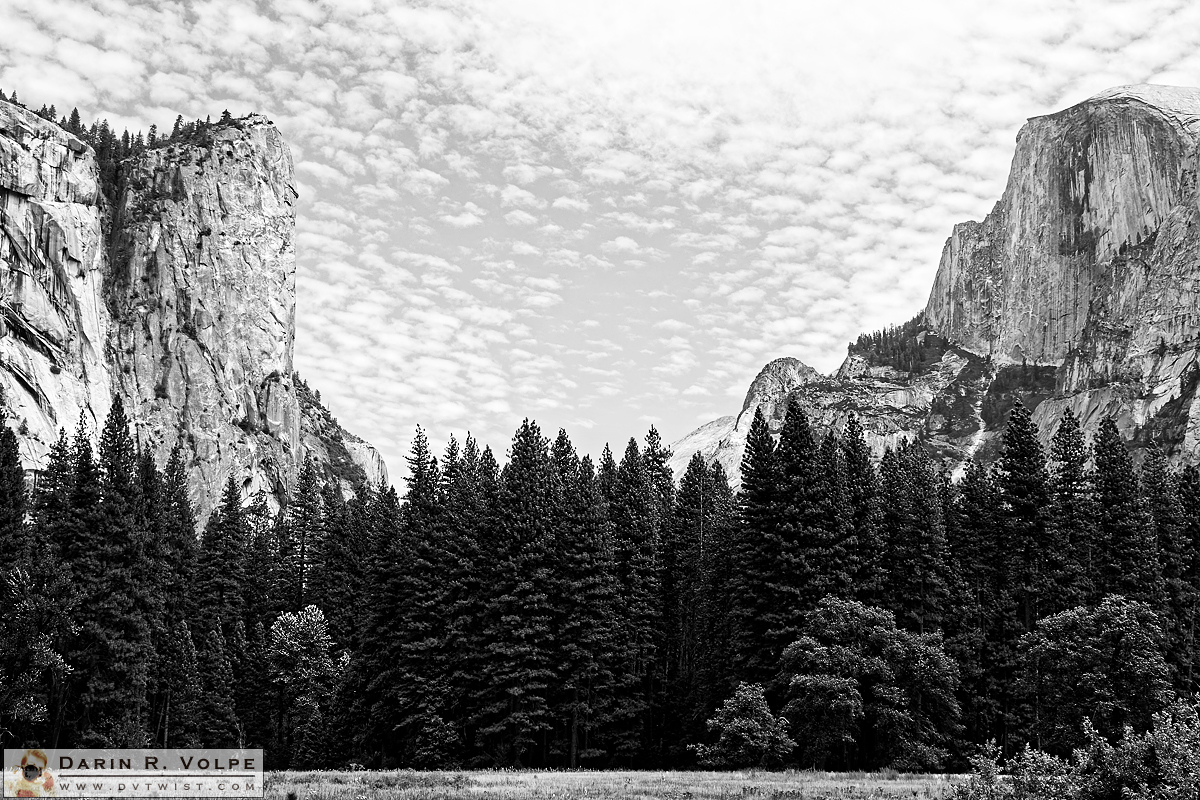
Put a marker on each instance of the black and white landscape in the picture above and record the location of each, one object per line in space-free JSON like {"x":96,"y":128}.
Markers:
{"x":531,"y":260}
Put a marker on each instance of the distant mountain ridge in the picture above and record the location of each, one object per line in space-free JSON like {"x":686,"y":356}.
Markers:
{"x":1080,"y":290}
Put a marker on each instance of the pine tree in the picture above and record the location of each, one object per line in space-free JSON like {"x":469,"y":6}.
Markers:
{"x":15,"y":540}
{"x":512,"y":707}
{"x":981,"y":634}
{"x":179,"y":531}
{"x":178,"y":723}
{"x":606,"y":476}
{"x":89,"y":716}
{"x":217,"y":722}
{"x":695,"y":623}
{"x":421,"y":654}
{"x":631,"y":513}
{"x":1159,"y":488}
{"x":864,"y":514}
{"x":839,"y":560}
{"x":1023,"y":483}
{"x":338,"y":555}
{"x":1071,"y":521}
{"x":656,"y":460}
{"x":466,"y":517}
{"x":757,"y":558}
{"x":716,"y":630}
{"x":304,"y":520}
{"x":585,"y":594}
{"x":131,"y":605}
{"x":52,"y":499}
{"x":220,"y":575}
{"x":1126,"y":530}
{"x":916,"y":588}
{"x":1188,"y":485}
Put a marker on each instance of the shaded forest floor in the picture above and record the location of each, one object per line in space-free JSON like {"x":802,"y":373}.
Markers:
{"x":535,"y":785}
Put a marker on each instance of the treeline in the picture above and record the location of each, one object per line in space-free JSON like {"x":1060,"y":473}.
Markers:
{"x":556,"y":612}
{"x":902,"y":347}
{"x":112,"y":148}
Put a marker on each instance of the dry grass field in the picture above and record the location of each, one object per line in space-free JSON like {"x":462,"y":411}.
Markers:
{"x":532,"y":785}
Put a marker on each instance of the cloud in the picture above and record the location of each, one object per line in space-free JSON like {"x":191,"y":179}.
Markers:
{"x":763,"y":179}
{"x":571,"y":203}
{"x":622,"y":244}
{"x":463,"y":220}
{"x":519,"y":217}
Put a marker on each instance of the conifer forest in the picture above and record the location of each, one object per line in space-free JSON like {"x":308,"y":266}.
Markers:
{"x":552,"y":611}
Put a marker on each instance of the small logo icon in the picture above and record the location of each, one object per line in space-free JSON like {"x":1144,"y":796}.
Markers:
{"x":30,"y":778}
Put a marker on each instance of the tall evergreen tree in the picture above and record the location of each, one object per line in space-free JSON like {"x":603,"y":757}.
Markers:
{"x":220,"y":572}
{"x":1188,"y":485}
{"x":585,"y":593}
{"x":15,"y":540}
{"x":916,"y":586}
{"x":697,"y":622}
{"x":863,"y":513}
{"x":1023,"y":483}
{"x":631,"y":513}
{"x":756,"y":557}
{"x":178,"y":721}
{"x":1072,"y":560}
{"x":1131,"y":565}
{"x":512,"y":708}
{"x":982,"y":634}
{"x":1176,"y":554}
{"x":217,"y":723}
{"x":305,"y":519}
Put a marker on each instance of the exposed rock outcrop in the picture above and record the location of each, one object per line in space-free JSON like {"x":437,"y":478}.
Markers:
{"x":724,"y":439}
{"x":179,"y":296}
{"x":1080,"y":289}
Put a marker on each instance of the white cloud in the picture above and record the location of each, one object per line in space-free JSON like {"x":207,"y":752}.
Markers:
{"x":765,"y":179}
{"x":571,"y":203}
{"x":519,"y":217}
{"x":463,"y":220}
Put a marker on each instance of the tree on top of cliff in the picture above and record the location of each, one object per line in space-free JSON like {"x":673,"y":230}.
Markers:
{"x":910,"y":347}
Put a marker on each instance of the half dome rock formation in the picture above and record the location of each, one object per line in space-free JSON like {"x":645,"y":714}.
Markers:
{"x":178,"y":295}
{"x":1080,"y":290}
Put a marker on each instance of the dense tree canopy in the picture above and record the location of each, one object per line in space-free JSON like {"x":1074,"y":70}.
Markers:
{"x":554,"y":612}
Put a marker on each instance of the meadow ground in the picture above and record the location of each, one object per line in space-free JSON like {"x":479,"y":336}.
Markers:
{"x":534,"y":785}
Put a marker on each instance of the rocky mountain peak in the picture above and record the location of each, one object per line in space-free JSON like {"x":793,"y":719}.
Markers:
{"x":1080,"y":290}
{"x":772,"y":385}
{"x":179,"y":295}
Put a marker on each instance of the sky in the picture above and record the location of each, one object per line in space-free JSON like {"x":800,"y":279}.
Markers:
{"x":599,"y":215}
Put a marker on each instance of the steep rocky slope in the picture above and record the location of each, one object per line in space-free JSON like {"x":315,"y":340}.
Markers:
{"x":179,"y":296}
{"x":1080,"y":289}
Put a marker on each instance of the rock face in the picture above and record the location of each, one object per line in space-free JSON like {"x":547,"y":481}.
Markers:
{"x":1080,"y":290}
{"x":179,"y":296}
{"x":724,"y":439}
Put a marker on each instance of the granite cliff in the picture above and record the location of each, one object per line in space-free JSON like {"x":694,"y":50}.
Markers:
{"x":1080,"y":290}
{"x":178,"y":295}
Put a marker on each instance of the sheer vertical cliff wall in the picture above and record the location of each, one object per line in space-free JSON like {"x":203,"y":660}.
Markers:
{"x":178,"y":296}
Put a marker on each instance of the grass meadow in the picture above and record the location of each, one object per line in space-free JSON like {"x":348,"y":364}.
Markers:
{"x":535,"y":785}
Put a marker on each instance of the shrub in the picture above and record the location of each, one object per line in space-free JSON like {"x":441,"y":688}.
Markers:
{"x":1161,"y":764}
{"x":749,"y":735}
